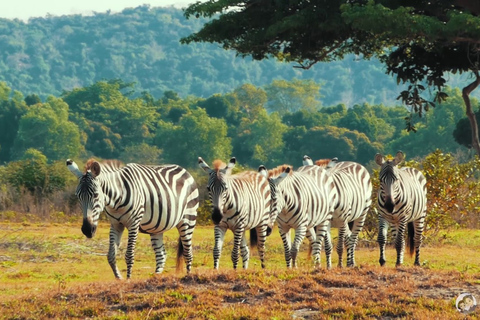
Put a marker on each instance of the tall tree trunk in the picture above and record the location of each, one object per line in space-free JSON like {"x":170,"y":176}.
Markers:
{"x":470,"y":114}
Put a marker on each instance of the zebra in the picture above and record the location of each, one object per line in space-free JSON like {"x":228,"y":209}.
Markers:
{"x":140,"y":198}
{"x":402,"y":202}
{"x":305,"y":205}
{"x":354,"y":190}
{"x":240,"y":202}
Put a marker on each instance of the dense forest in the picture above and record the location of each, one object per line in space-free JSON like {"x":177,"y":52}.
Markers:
{"x":48,"y":55}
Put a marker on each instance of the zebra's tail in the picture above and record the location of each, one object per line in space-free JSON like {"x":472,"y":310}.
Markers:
{"x":411,"y":235}
{"x":180,"y":258}
{"x":253,"y":238}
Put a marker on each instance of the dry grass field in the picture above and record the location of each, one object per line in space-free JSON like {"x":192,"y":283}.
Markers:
{"x":51,"y":271}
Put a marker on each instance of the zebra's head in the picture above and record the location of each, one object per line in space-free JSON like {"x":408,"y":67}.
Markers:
{"x":90,"y":195}
{"x":217,"y":185}
{"x":275,"y":177}
{"x":388,"y":177}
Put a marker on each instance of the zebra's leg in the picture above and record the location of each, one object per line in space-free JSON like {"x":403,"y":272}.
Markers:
{"x":352,"y":240}
{"x":342,"y":236}
{"x":116,"y":231}
{"x":287,"y":243}
{"x":399,"y":236}
{"x":160,"y":252}
{"x":237,"y":242}
{"x":130,"y":253}
{"x":418,"y":238}
{"x":382,"y":238}
{"x":245,"y":251}
{"x":323,"y":234}
{"x":262,"y":237}
{"x":185,"y":229}
{"x":311,"y":236}
{"x":217,"y":249}
{"x":300,"y":233}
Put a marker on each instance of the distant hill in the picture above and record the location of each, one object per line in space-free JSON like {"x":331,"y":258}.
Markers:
{"x":48,"y":55}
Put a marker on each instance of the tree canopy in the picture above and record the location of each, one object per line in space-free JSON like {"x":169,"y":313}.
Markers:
{"x":420,"y":42}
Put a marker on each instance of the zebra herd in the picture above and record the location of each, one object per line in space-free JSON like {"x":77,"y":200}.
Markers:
{"x":310,"y":200}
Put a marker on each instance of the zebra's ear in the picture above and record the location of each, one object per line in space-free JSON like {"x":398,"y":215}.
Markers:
{"x":202,"y":164}
{"x":332,"y":163}
{"x":379,"y":159}
{"x":399,"y":157}
{"x":230,"y":165}
{"x":95,"y":169}
{"x":263,"y":171}
{"x":282,"y":176}
{"x":72,"y":166}
{"x":307,"y":161}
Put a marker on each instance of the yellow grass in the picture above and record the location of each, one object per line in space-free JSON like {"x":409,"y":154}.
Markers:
{"x":53,"y":271}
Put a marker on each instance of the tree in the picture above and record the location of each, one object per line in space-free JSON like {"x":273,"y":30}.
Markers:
{"x":420,"y":42}
{"x":260,"y":141}
{"x":32,"y":173}
{"x":46,"y":128}
{"x":195,"y":135}
{"x":329,"y":142}
{"x":11,"y":111}
{"x":109,"y":118}
{"x":291,"y":96}
{"x":363,"y":119}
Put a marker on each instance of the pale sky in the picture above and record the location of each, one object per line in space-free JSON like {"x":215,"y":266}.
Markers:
{"x":24,"y":9}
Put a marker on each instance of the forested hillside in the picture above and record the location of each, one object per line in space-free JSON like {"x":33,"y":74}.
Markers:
{"x":48,"y":55}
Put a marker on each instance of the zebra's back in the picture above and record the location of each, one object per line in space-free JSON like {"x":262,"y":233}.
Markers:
{"x":308,"y":197}
{"x":170,"y":194}
{"x":354,"y":191}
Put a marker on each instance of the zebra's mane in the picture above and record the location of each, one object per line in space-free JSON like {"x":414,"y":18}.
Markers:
{"x":389,"y":169}
{"x":273,"y":173}
{"x":107,"y":165}
{"x":323,"y":163}
{"x":218,"y":164}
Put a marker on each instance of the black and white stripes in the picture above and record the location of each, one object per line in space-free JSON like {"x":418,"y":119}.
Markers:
{"x":354,"y":197}
{"x":402,"y":202}
{"x":240,"y":202}
{"x":305,"y":204}
{"x":149,"y":199}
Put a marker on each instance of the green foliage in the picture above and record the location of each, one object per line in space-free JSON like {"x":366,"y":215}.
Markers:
{"x":109,"y":118}
{"x":260,"y":141}
{"x":142,"y":153}
{"x":35,"y":175}
{"x":46,"y":127}
{"x":11,"y":111}
{"x":291,"y":96}
{"x":419,"y":42}
{"x":52,"y":54}
{"x":195,"y":135}
{"x":453,"y":191}
{"x":328,"y":142}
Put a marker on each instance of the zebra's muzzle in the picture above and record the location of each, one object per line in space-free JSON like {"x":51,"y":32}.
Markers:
{"x":389,"y":205}
{"x":88,"y":228}
{"x":216,"y":215}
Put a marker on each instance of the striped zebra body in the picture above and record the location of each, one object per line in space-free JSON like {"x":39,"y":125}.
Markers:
{"x":139,"y":198}
{"x":305,"y":205}
{"x":240,"y":202}
{"x":354,"y":192}
{"x":402,"y":202}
